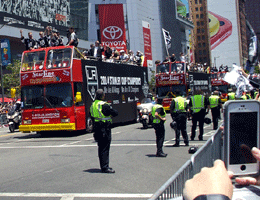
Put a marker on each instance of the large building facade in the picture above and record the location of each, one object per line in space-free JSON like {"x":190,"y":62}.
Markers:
{"x":158,"y":14}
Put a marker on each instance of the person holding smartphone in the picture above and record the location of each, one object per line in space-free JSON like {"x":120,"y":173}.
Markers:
{"x":214,"y":183}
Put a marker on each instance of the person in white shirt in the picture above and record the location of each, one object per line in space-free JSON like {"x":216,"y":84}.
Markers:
{"x":123,"y":56}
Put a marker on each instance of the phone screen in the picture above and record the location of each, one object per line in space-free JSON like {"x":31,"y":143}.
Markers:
{"x":243,"y":137}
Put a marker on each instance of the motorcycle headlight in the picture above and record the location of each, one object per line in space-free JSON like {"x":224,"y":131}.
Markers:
{"x":27,"y":121}
{"x":145,"y":110}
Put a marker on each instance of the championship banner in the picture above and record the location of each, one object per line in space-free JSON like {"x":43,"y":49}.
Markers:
{"x":112,"y":26}
{"x":147,"y":43}
{"x":167,"y":38}
{"x":5,"y":52}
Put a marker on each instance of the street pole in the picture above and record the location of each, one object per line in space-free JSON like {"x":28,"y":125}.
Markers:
{"x":2,"y":85}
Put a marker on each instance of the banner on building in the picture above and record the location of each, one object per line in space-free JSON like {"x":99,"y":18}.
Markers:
{"x":5,"y":52}
{"x":147,"y":43}
{"x":112,"y":25}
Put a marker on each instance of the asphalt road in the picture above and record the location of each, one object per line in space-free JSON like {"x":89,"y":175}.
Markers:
{"x":66,"y":167}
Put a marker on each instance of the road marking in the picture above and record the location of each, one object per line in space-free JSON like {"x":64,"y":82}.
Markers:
{"x":10,"y":134}
{"x":71,"y":196}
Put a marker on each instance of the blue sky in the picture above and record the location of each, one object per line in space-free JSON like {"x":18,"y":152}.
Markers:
{"x":186,"y":4}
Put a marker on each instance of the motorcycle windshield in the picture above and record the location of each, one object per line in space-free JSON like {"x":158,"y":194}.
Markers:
{"x":11,"y":111}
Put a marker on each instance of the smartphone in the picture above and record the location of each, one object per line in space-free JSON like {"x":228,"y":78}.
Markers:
{"x":241,"y":134}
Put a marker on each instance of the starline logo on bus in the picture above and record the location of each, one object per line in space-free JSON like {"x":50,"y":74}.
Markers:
{"x":44,"y":74}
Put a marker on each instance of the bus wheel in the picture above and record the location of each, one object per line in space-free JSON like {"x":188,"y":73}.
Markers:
{"x":90,"y":125}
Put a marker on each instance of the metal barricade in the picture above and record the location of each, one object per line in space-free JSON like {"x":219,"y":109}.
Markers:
{"x":204,"y":157}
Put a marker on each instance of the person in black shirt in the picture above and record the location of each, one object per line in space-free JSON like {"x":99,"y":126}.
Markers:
{"x":43,"y":41}
{"x":29,"y":42}
{"x":102,"y":114}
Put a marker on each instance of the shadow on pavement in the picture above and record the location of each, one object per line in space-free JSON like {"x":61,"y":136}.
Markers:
{"x":95,"y":170}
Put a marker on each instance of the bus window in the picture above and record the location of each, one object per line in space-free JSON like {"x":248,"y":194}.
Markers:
{"x":162,"y":68}
{"x":58,"y":58}
{"x":32,"y":97}
{"x":33,"y":60}
{"x":58,"y":95}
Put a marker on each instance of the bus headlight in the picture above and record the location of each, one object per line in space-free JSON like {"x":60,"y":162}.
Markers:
{"x":67,"y":120}
{"x":27,"y":121}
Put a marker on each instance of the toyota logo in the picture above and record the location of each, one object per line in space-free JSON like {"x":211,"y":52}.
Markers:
{"x":112,"y":32}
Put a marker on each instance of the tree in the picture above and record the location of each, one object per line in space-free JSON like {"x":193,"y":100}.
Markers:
{"x":12,"y":80}
{"x":152,"y":82}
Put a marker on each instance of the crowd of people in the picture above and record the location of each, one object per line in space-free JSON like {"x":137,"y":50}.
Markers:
{"x":4,"y":108}
{"x":49,"y":38}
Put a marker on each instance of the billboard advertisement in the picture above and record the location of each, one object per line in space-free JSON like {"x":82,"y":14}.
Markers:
{"x":112,"y":29}
{"x":5,"y":52}
{"x":147,"y":43}
{"x":223,"y":28}
{"x":36,"y":14}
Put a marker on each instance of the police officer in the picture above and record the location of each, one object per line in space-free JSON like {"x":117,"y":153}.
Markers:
{"x":179,"y":115}
{"x":215,"y":106}
{"x":159,"y":115}
{"x":198,"y":107}
{"x":102,"y":114}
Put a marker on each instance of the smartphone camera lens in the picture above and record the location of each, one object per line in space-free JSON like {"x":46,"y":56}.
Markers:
{"x":243,"y":167}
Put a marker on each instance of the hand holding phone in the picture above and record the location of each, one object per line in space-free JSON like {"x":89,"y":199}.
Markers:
{"x":241,"y":128}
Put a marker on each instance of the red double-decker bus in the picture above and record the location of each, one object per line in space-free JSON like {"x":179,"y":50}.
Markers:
{"x":58,"y":88}
{"x":170,"y":80}
{"x":218,"y":83}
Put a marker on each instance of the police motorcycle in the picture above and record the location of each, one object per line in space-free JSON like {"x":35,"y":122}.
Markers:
{"x":14,"y":117}
{"x":145,"y":112}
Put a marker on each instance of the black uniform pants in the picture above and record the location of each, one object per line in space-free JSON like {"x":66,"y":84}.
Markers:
{"x":160,"y":134}
{"x":198,"y":117}
{"x":215,"y":116}
{"x":181,"y":120}
{"x":103,"y":137}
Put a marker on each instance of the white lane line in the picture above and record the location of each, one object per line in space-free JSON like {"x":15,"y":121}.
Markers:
{"x":67,"y":198}
{"x":72,"y":146}
{"x":77,"y":195}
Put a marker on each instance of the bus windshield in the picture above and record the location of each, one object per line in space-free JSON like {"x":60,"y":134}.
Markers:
{"x":59,"y":95}
{"x":32,"y":97}
{"x":58,"y":58}
{"x":33,"y":60}
{"x":172,"y":91}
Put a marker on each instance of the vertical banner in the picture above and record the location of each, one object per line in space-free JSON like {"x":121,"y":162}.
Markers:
{"x":5,"y":52}
{"x":147,"y":43}
{"x":112,"y":25}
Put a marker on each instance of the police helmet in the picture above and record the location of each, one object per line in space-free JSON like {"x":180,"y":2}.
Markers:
{"x":207,"y":120}
{"x":173,"y":125}
{"x":193,"y":150}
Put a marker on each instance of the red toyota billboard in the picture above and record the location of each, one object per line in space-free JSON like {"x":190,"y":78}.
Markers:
{"x":112,"y":25}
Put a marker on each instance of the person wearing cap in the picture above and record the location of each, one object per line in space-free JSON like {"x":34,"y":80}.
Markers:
{"x":215,"y":106}
{"x":131,"y":57}
{"x":178,"y":111}
{"x":102,"y":114}
{"x":198,"y":107}
{"x":123,"y":56}
{"x":159,"y":117}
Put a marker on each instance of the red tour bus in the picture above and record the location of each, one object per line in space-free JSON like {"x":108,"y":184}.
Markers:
{"x":58,"y":88}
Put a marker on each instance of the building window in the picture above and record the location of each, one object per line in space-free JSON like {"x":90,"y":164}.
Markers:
{"x":200,"y":52}
{"x":199,"y":44}
{"x":204,"y":44}
{"x":198,"y":38}
{"x":201,"y":8}
{"x":200,"y":1}
{"x":204,"y":52}
{"x":197,"y":9}
{"x":203,"y":37}
{"x":201,"y":16}
{"x":198,"y":23}
{"x":198,"y":30}
{"x":202,"y":30}
{"x":197,"y":16}
{"x":196,"y":1}
{"x":202,"y":23}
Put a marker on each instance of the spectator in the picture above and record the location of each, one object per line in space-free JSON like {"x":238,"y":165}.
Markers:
{"x":90,"y":52}
{"x":60,"y":39}
{"x":108,"y":54}
{"x":96,"y":51}
{"x":221,"y":68}
{"x":115,"y":55}
{"x":131,"y":57}
{"x":42,"y":41}
{"x":85,"y":54}
{"x":73,"y":39}
{"x":173,"y":60}
{"x":139,"y":58}
{"x":54,"y":40}
{"x":29,"y":42}
{"x":123,"y":56}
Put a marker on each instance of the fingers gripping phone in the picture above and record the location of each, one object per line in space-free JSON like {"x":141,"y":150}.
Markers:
{"x":241,"y":134}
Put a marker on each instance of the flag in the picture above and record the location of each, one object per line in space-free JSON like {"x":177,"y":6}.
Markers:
{"x":252,"y":50}
{"x":167,"y":38}
{"x":236,"y":78}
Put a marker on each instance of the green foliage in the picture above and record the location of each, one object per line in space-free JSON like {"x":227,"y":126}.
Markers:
{"x":257,"y":70}
{"x":152,"y":82}
{"x":12,"y":79}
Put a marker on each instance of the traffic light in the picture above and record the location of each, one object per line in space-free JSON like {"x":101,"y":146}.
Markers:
{"x":13,"y":90}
